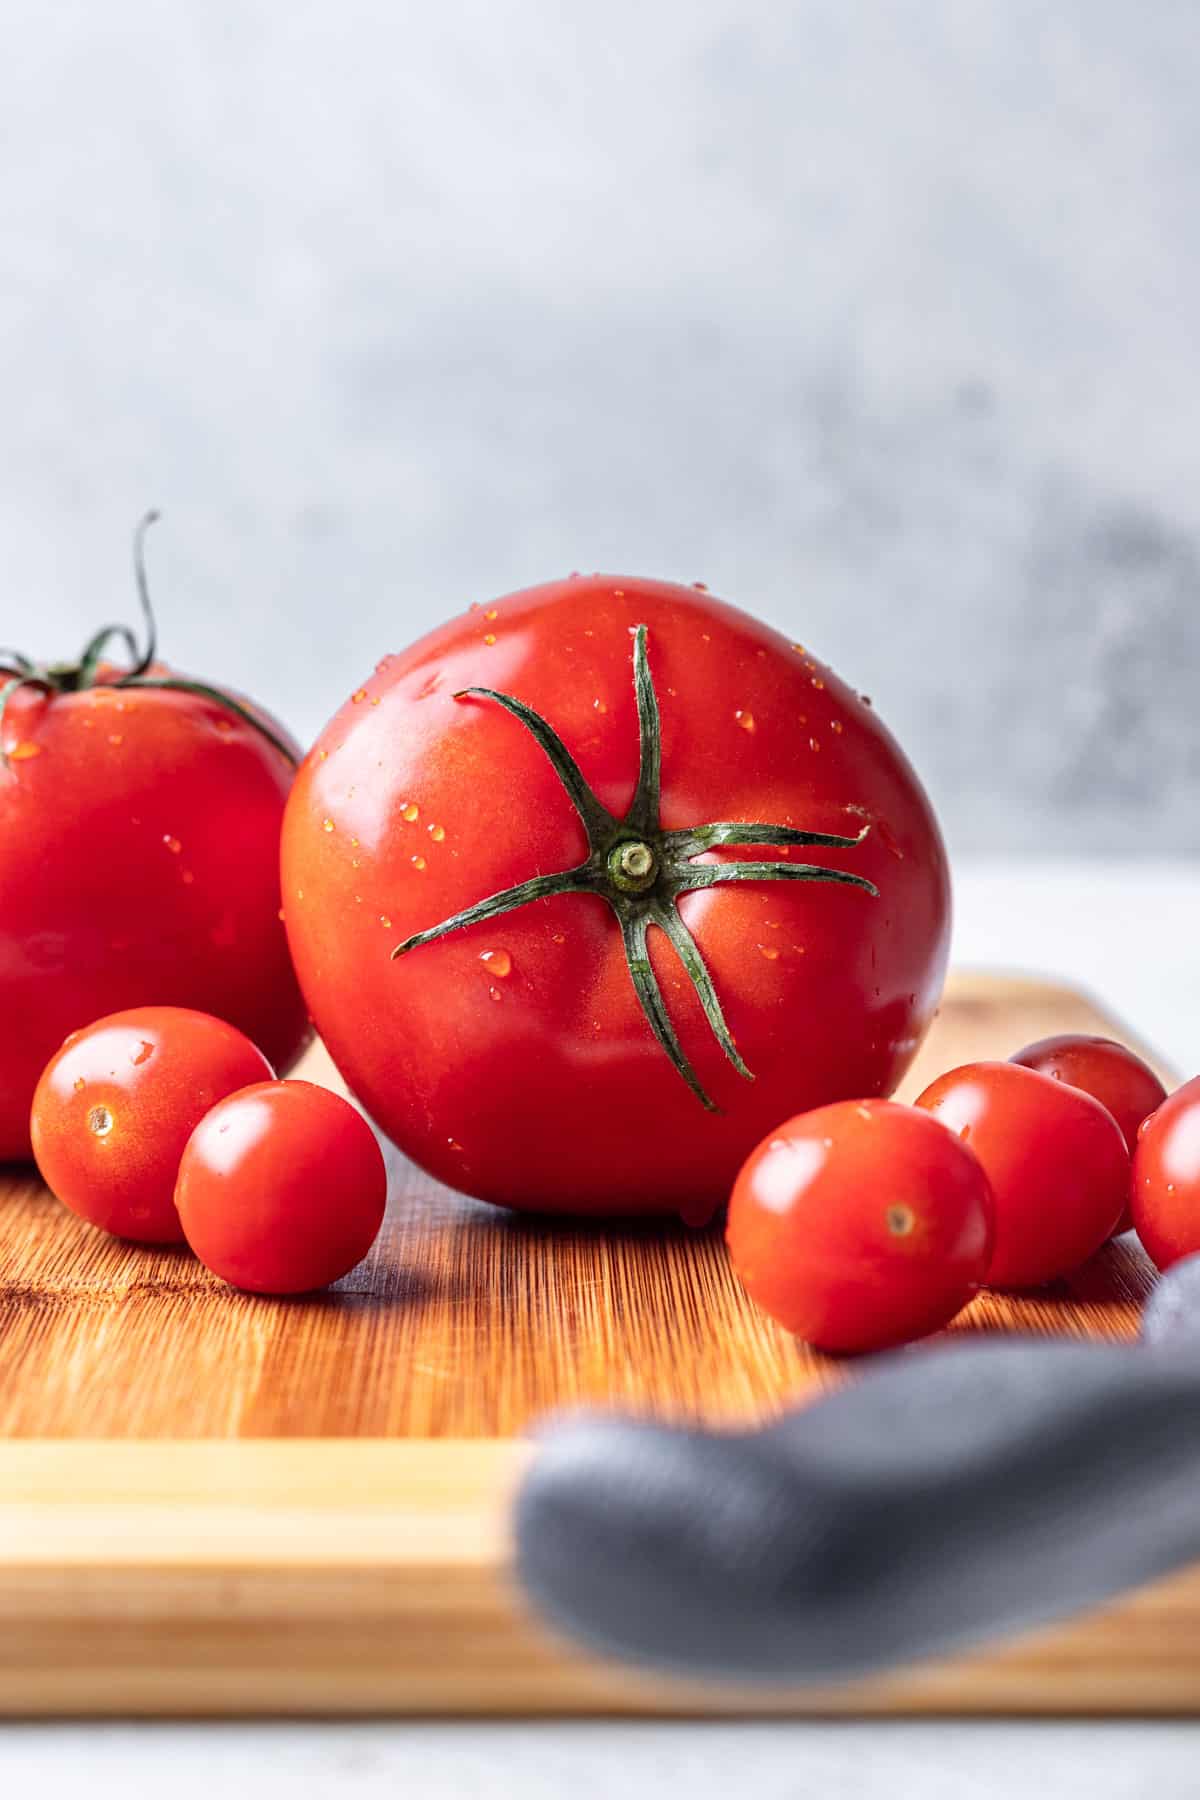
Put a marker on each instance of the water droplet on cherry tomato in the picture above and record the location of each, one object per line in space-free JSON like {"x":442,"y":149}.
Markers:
{"x":411,"y":812}
{"x":24,"y":751}
{"x":769,"y":951}
{"x":187,"y":877}
{"x":358,"y":695}
{"x":489,"y":637}
{"x":437,"y":833}
{"x":491,"y":613}
{"x":814,"y":743}
{"x":799,"y":649}
{"x":836,"y":725}
{"x":599,"y":706}
{"x":385,"y":921}
{"x":326,"y":824}
{"x":559,"y":938}
{"x":80,"y":1083}
{"x":322,"y":755}
{"x":454,"y":1143}
{"x":418,"y":862}
{"x":280,"y":915}
{"x":499,"y":962}
{"x":745,"y":720}
{"x":817,"y":682}
{"x":495,"y":993}
{"x":114,"y":737}
{"x":375,"y":699}
{"x":173,"y":844}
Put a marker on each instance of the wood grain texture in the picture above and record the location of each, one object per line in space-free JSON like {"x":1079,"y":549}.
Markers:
{"x":212,"y":1504}
{"x":308,"y":1577}
{"x":465,"y":1321}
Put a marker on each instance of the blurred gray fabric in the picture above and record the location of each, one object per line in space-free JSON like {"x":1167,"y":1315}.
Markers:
{"x":952,"y":1495}
{"x":883,"y":320}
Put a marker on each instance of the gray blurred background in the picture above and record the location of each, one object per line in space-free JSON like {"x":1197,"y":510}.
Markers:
{"x":881,"y":319}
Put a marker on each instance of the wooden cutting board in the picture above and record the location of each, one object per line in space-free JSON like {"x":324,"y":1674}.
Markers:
{"x":211,"y":1503}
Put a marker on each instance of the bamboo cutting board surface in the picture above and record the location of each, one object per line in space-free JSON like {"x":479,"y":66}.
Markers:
{"x":215,"y":1551}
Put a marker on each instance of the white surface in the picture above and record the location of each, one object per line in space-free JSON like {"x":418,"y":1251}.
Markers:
{"x":882,"y":319}
{"x":1126,"y":932}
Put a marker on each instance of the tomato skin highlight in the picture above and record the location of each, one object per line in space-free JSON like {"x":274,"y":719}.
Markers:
{"x":1165,"y":1189}
{"x":1109,"y":1072}
{"x":139,"y":834}
{"x":282,"y":1188}
{"x":115,"y":1107}
{"x":512,"y":1059}
{"x":1055,"y":1158}
{"x":861,"y":1225}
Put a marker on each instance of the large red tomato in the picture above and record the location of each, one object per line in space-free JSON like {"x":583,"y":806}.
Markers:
{"x":139,"y":846}
{"x":562,"y":1054}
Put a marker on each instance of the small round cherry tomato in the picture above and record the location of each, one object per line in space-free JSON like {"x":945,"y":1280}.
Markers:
{"x":282,"y":1188}
{"x":861,"y":1225}
{"x":117,"y":1103}
{"x":1166,"y":1177}
{"x":1056,"y":1160}
{"x":1107,"y":1071}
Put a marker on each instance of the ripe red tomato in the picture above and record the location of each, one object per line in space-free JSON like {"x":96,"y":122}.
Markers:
{"x":114,"y":1109}
{"x":1107,"y":1071}
{"x":559,"y":1055}
{"x":1166,"y":1178}
{"x":282,"y":1188}
{"x":861,"y":1225}
{"x":1055,"y":1158}
{"x":139,"y":849}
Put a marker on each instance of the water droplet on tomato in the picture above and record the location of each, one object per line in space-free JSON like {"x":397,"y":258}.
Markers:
{"x":187,"y":877}
{"x":281,"y":915}
{"x":356,"y":862}
{"x":489,"y":637}
{"x":24,"y":751}
{"x":326,"y":824}
{"x":385,"y":921}
{"x":437,"y":833}
{"x":100,"y":1121}
{"x":358,"y":696}
{"x":114,"y":737}
{"x":599,"y":706}
{"x":836,"y":725}
{"x":706,"y":637}
{"x":814,"y":743}
{"x":1170,"y":1187}
{"x":745,"y":720}
{"x":418,"y":862}
{"x":799,"y":649}
{"x":495,"y":993}
{"x":769,"y":951}
{"x":817,"y":682}
{"x":411,"y":812}
{"x":499,"y":962}
{"x":454,"y":1144}
{"x":491,"y":613}
{"x":80,"y":1084}
{"x":173,"y":844}
{"x":889,"y":838}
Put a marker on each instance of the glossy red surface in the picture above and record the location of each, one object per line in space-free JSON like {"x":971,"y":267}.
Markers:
{"x":512,"y":1059}
{"x":282,"y":1188}
{"x":1055,"y":1158}
{"x":139,"y":839}
{"x":114,"y":1109}
{"x":1165,"y":1192}
{"x":861,"y":1225}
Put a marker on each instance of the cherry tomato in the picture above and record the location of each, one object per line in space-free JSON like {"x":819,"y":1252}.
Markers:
{"x":115,"y":1107}
{"x":562,"y":1053}
{"x":139,"y":863}
{"x":861,"y":1225}
{"x":1107,"y":1071}
{"x":1056,"y":1160}
{"x":282,"y":1188}
{"x":1166,"y":1178}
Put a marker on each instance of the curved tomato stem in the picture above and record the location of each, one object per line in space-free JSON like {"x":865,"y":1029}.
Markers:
{"x":73,"y":678}
{"x":641,"y":870}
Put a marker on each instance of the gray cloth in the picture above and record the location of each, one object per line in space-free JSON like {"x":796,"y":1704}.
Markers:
{"x":949,"y":1494}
